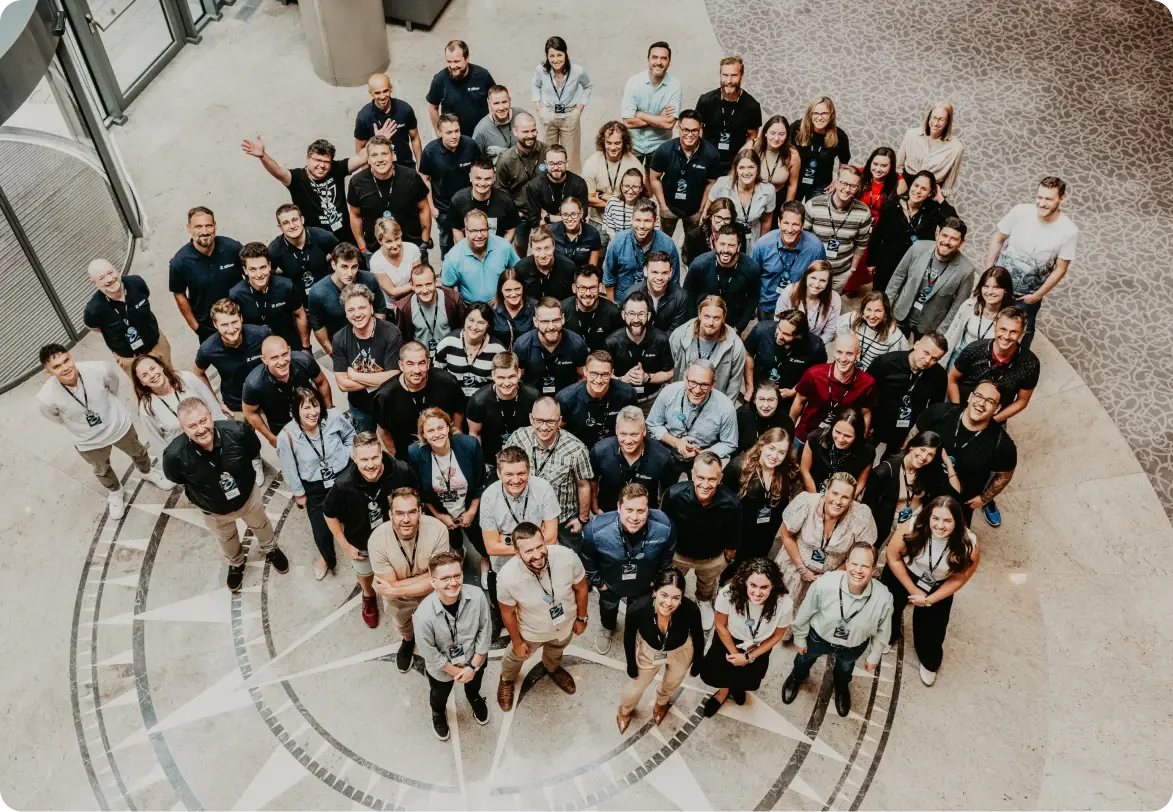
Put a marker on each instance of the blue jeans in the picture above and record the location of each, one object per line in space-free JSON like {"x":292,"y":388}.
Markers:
{"x":816,"y":647}
{"x":363,"y":421}
{"x":1032,"y":314}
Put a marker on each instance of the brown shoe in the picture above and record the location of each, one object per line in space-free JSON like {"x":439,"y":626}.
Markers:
{"x":659,"y":712}
{"x":623,"y":721}
{"x":563,"y":679}
{"x":505,"y":695}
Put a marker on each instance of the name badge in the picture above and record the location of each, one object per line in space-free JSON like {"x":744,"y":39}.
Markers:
{"x":904,"y":515}
{"x":93,"y":419}
{"x":388,"y":214}
{"x":455,"y":652}
{"x":818,"y":556}
{"x":557,"y":614}
{"x":627,"y":572}
{"x":724,"y":142}
{"x":375,"y":513}
{"x":918,"y":305}
{"x":841,"y":632}
{"x":659,"y":656}
{"x":808,"y":173}
{"x":832,"y":248}
{"x":228,"y":485}
{"x":827,"y":420}
{"x":903,"y":423}
{"x":682,"y":189}
{"x":559,"y":109}
{"x":134,"y":339}
{"x":639,"y":388}
{"x":548,"y":386}
{"x":926,"y":582}
{"x":764,"y":515}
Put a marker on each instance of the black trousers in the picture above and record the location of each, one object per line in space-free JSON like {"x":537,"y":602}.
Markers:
{"x":609,"y":608}
{"x":929,"y":623}
{"x":438,"y":691}
{"x":315,"y":497}
{"x":473,"y":531}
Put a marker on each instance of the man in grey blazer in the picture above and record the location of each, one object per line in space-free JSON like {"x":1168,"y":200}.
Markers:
{"x":931,"y":281}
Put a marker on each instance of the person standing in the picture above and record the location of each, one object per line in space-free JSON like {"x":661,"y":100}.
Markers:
{"x":843,"y":224}
{"x":158,"y":389}
{"x":473,"y":265}
{"x":782,"y":351}
{"x":753,"y":199}
{"x":814,"y":296}
{"x":589,"y":407}
{"x":628,"y":458}
{"x":494,"y":133}
{"x":1002,"y":359}
{"x":399,"y":553}
{"x":931,"y":281}
{"x":906,"y":383}
{"x":575,"y":239}
{"x":781,"y":166}
{"x":1036,"y":245}
{"x":932,"y":147}
{"x":274,"y":301}
{"x":819,"y":141}
{"x":731,"y":116}
{"x":514,"y":499}
{"x":399,"y":401}
{"x":301,"y":253}
{"x":513,"y":313}
{"x":360,"y":502}
{"x":587,"y":313}
{"x":844,"y":385}
{"x":640,"y":350}
{"x":546,"y":272}
{"x":905,"y":219}
{"x":214,"y":462}
{"x":120,"y":310}
{"x":726,"y":272}
{"x":540,"y":591}
{"x":784,"y":255}
{"x":631,"y":251}
{"x":203,"y":271}
{"x":460,"y":90}
{"x":689,"y":417}
{"x":708,"y":338}
{"x":561,"y":91}
{"x":652,"y":100}
{"x":317,"y":189}
{"x":83,"y":397}
{"x":760,"y":414}
{"x":496,"y":411}
{"x":605,"y":170}
{"x":421,"y":317}
{"x":483,"y":195}
{"x":681,"y":172}
{"x":451,"y":470}
{"x":842,"y":446}
{"x":516,"y":167}
{"x":327,"y":315}
{"x":313,"y":450}
{"x":384,"y":189}
{"x":902,"y":484}
{"x":444,"y":167}
{"x":551,"y":358}
{"x":268,"y":397}
{"x":390,"y":118}
{"x":234,"y":350}
{"x":974,"y":321}
{"x":365,"y":355}
{"x":847,"y":615}
{"x":874,"y":326}
{"x":453,"y":630}
{"x":707,"y":518}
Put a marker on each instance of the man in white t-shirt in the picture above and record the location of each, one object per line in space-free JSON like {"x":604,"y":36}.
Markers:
{"x":1036,"y":245}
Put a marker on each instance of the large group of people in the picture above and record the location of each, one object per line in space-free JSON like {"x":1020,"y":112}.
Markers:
{"x":802,"y":397}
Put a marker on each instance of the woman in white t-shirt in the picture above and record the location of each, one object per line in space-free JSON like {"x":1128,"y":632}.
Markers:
{"x":393,"y":262}
{"x":875,"y":327}
{"x":975,"y":318}
{"x":751,"y":613}
{"x":753,"y":199}
{"x":159,"y":390}
{"x":926,"y":566}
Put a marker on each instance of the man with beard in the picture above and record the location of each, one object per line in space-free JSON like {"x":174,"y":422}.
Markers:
{"x":483,"y":196}
{"x":640,"y":351}
{"x":385,"y":189}
{"x":268,"y":397}
{"x":203,"y":271}
{"x":429,"y":313}
{"x":708,"y":338}
{"x":301,"y":253}
{"x":516,"y":167}
{"x":391,"y":118}
{"x":551,"y":358}
{"x":474,"y":264}
{"x":324,"y":301}
{"x":906,"y":383}
{"x":545,"y":193}
{"x":494,"y":133}
{"x":498,"y":410}
{"x":319,"y":188}
{"x":460,"y":90}
{"x":728,"y":273}
{"x":731,"y":116}
{"x":783,"y":255}
{"x":365,"y":355}
{"x":589,"y":407}
{"x":681,"y":172}
{"x":826,"y":389}
{"x":444,"y":167}
{"x":545,"y":272}
{"x":631,"y":249}
{"x":931,"y":281}
{"x":587,"y":313}
{"x":400,"y":400}
{"x":781,"y":351}
{"x":120,"y":309}
{"x":689,"y":417}
{"x":628,"y":457}
{"x":274,"y":301}
{"x":843,"y":224}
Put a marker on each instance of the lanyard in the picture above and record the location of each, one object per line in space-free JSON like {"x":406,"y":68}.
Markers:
{"x":207,"y":456}
{"x":452,"y":622}
{"x":549,"y":456}
{"x":524,"y":505}
{"x":627,"y":550}
{"x":957,"y":430}
{"x":431,"y":328}
{"x":390,"y":192}
{"x":512,"y":416}
{"x":656,"y":623}
{"x":766,"y":165}
{"x":909,"y":493}
{"x":549,"y":593}
{"x":835,"y":228}
{"x":697,"y":343}
{"x":471,"y":360}
{"x":168,"y":405}
{"x":322,"y":436}
{"x":744,"y":218}
{"x":415,"y":548}
{"x":753,"y":631}
{"x":912,"y":382}
{"x":786,"y":266}
{"x":688,"y":424}
{"x":558,"y":91}
{"x":125,"y":314}
{"x":446,"y":481}
{"x":827,"y":536}
{"x":832,"y":403}
{"x":929,"y":549}
{"x":85,"y":403}
{"x":613,"y":184}
{"x":847,"y":620}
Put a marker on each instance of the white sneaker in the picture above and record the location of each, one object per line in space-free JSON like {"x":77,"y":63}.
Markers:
{"x":887,"y":648}
{"x":116,"y":504}
{"x":260,"y":469}
{"x":706,"y":608}
{"x":926,"y":676}
{"x":156,"y":478}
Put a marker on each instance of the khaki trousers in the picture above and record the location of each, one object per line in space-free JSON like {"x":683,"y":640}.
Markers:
{"x":254,"y":518}
{"x":551,"y":656}
{"x":401,"y":610}
{"x":708,"y":571}
{"x":99,"y":459}
{"x":563,"y":130}
{"x":161,"y":350}
{"x":675,"y":670}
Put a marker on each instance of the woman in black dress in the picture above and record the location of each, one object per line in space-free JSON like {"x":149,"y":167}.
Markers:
{"x":762,"y":478}
{"x":914,"y":215}
{"x":841,"y":447}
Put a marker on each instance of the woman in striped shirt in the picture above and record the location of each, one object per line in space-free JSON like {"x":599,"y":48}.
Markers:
{"x":617,"y":214}
{"x":468,"y":355}
{"x":875,"y":326}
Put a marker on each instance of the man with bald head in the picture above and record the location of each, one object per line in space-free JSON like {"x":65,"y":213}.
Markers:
{"x":392,"y":118}
{"x":269,"y":389}
{"x":120,"y":309}
{"x":825,"y":390}
{"x":516,"y":167}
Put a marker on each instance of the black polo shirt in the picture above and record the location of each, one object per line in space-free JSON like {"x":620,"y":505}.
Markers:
{"x":448,"y":170}
{"x":577,"y":250}
{"x":591,"y":419}
{"x":205,"y":280}
{"x":499,"y":209}
{"x":324,"y":307}
{"x":703,"y":531}
{"x":399,"y":111}
{"x":595,"y":326}
{"x":751,"y":425}
{"x":273,"y":398}
{"x":727,"y":123}
{"x":466,"y":98}
{"x":653,"y":352}
{"x":354,"y":501}
{"x":543,"y":195}
{"x":550,"y":371}
{"x":498,"y":418}
{"x":398,"y":196}
{"x":397,"y":410}
{"x":201,"y":472}
{"x":128,"y":327}
{"x":976,"y":362}
{"x":378,"y":353}
{"x":740,"y":286}
{"x":902,"y":394}
{"x":684,"y":179}
{"x":558,"y":283}
{"x":655,"y":470}
{"x":781,"y":364}
{"x":322,"y":202}
{"x":275,"y":308}
{"x":976,"y":455}
{"x":307,"y":264}
{"x":233,"y":363}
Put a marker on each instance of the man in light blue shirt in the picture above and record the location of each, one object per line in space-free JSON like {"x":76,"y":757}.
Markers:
{"x":651,"y":102}
{"x":784,"y":255}
{"x":689,"y":417}
{"x":623,"y":267}
{"x":474,"y":263}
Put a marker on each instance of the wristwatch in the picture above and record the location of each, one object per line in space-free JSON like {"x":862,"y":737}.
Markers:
{"x":580,"y":620}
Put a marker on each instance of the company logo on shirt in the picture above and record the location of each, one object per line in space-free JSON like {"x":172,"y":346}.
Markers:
{"x":226,"y":267}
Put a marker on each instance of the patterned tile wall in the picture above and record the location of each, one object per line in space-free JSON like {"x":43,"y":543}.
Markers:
{"x":1082,"y":89}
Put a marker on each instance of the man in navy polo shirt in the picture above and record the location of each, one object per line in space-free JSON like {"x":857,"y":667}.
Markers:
{"x":589,"y":407}
{"x":640,"y":350}
{"x":589,"y":314}
{"x":324,"y":304}
{"x":461,"y":89}
{"x":269,"y":390}
{"x":728,"y":273}
{"x":681,"y":171}
{"x":203,"y":271}
{"x":629,"y":457}
{"x":392,"y":118}
{"x":551,"y":357}
{"x":444,"y":167}
{"x":300,"y":253}
{"x":784,"y":255}
{"x":274,"y":301}
{"x":781,"y":351}
{"x":234,"y":349}
{"x":120,"y":309}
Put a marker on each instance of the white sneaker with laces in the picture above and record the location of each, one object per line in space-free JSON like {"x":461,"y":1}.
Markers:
{"x":116,"y":504}
{"x":926,"y":676}
{"x":706,"y":608}
{"x":156,"y":478}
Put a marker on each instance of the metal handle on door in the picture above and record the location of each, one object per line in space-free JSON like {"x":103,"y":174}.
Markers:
{"x":93,"y":24}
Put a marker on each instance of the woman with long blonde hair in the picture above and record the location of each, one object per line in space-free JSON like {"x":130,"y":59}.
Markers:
{"x":819,"y":142}
{"x":762,"y":478}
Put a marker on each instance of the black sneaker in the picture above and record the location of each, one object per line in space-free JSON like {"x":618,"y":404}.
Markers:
{"x":278,"y":560}
{"x":235,"y":578}
{"x":403,"y":662}
{"x":480,"y":710}
{"x":440,"y":726}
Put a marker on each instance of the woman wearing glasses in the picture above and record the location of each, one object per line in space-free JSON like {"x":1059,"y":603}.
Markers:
{"x":819,"y":141}
{"x":575,"y":239}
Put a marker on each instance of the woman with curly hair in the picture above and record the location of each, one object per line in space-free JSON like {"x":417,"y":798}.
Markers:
{"x":752,"y":612}
{"x":719,"y":213}
{"x":762,"y":478}
{"x":904,"y":482}
{"x":605,"y":168}
{"x":926,"y":567}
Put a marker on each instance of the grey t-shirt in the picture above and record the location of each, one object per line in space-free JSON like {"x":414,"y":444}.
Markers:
{"x":430,"y":323}
{"x":494,"y":138}
{"x":501,"y":512}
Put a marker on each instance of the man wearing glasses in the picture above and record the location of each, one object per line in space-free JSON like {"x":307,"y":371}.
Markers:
{"x":689,"y":417}
{"x":545,"y":193}
{"x":551,"y":358}
{"x":843,"y":224}
{"x":474,"y":263}
{"x":590,"y":407}
{"x":681,"y":172}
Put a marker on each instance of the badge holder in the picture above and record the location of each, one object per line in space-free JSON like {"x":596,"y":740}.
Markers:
{"x":627,"y":572}
{"x":375,"y":513}
{"x":818,"y":557}
{"x":841,"y":632}
{"x":93,"y":419}
{"x":228,"y":485}
{"x":134,"y":339}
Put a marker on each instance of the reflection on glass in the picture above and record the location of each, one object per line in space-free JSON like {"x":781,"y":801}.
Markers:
{"x":134,"y":34}
{"x":197,"y":10}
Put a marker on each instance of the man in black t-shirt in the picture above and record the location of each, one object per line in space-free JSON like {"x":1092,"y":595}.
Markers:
{"x":592,"y":316}
{"x":460,"y":90}
{"x":269,"y":390}
{"x":497,"y":410}
{"x":907,"y":381}
{"x":629,"y":457}
{"x":120,"y":309}
{"x":365,"y":354}
{"x":203,"y":271}
{"x":782,"y":350}
{"x":545,"y":272}
{"x":731,"y":116}
{"x":640,"y":350}
{"x":550,"y":356}
{"x":318,"y":189}
{"x":681,"y":172}
{"x":547,"y":191}
{"x":274,"y":301}
{"x":234,"y":350}
{"x":482,"y":195}
{"x":390,"y":118}
{"x":399,"y":401}
{"x":445,"y":165}
{"x":300,"y":253}
{"x":385,"y":189}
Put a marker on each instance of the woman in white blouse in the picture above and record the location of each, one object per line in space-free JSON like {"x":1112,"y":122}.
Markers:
{"x":393,"y":262}
{"x":813,"y":295}
{"x":753,"y":199}
{"x":159,"y":390}
{"x":560,"y":92}
{"x":975,"y":318}
{"x":932,"y":147}
{"x":875,"y":327}
{"x":925,"y":568}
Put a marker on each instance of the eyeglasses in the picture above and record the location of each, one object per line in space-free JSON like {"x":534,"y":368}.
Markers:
{"x":476,"y":231}
{"x":555,"y":163}
{"x":690,"y":130}
{"x":448,"y":579}
{"x":544,"y":422}
{"x":983,"y":399}
{"x":697,"y":385}
{"x":598,"y":376}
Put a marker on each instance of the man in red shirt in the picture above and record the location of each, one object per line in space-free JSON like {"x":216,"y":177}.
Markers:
{"x":826,"y":389}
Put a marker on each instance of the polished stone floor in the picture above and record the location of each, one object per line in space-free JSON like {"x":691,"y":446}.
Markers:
{"x":147,"y":686}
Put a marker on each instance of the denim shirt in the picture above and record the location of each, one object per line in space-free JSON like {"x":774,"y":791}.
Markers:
{"x":715,"y":426}
{"x":300,"y":455}
{"x":768,"y":252}
{"x":623,"y":267}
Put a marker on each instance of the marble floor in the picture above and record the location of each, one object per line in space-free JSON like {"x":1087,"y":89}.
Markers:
{"x":145,"y":685}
